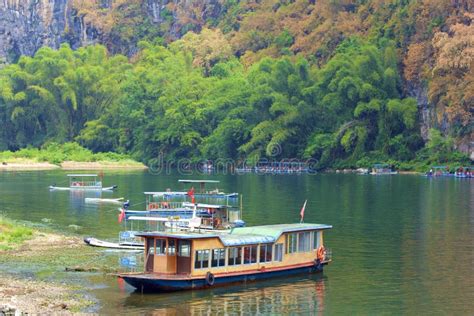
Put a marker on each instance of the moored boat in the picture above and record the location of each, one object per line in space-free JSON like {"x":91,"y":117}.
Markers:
{"x":104,"y":201}
{"x":183,"y":261}
{"x":382,"y":169}
{"x":438,"y":171}
{"x":83,"y":182}
{"x":91,"y":241}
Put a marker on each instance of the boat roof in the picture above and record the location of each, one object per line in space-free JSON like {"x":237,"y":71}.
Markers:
{"x":82,"y":175}
{"x":156,"y":219}
{"x":380,"y":165}
{"x":166,"y":193}
{"x":244,"y":235}
{"x":189,"y":204}
{"x":199,"y":181}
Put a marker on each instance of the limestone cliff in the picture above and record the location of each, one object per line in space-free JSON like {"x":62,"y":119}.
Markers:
{"x":26,"y":25}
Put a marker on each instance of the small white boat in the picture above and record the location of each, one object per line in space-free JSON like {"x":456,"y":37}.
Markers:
{"x":118,"y":201}
{"x":382,"y":169}
{"x":112,"y":245}
{"x":83,"y":182}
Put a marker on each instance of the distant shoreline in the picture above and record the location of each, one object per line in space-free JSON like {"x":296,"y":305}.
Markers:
{"x":31,"y":165}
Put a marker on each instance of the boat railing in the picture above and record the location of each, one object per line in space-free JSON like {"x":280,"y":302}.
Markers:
{"x":86,"y":184}
{"x":163,"y":205}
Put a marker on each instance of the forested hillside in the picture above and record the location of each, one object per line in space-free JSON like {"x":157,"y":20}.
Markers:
{"x":346,"y":83}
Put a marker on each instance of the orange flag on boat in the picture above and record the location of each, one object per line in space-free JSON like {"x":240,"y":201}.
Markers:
{"x":191,"y":194}
{"x":121,"y":215}
{"x":302,"y":211}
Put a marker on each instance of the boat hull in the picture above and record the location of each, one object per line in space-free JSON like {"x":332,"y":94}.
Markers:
{"x":112,"y":245}
{"x":148,"y":283}
{"x":52,"y":187}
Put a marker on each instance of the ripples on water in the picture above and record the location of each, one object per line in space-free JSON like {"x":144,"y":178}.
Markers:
{"x":282,"y":296}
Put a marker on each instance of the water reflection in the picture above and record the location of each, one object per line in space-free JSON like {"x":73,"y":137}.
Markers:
{"x":293,"y":295}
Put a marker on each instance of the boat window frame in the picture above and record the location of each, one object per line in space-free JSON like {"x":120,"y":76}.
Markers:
{"x":202,"y":261}
{"x":182,"y":243}
{"x":162,"y":248}
{"x":304,"y":241}
{"x":150,"y":245}
{"x":171,"y":247}
{"x":219,"y":259}
{"x":291,"y":243}
{"x":250,"y":247}
{"x":230,"y":251}
{"x":278,"y":250}
{"x":266,"y":247}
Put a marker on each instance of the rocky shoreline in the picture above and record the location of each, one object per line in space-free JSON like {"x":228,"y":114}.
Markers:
{"x":26,"y":293}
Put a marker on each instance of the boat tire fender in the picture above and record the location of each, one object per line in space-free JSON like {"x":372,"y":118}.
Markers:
{"x":210,"y":279}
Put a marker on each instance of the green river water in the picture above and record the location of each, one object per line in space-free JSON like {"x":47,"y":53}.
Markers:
{"x":400,"y":244}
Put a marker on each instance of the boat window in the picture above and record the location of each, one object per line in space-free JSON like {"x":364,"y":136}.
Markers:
{"x":150,"y":246}
{"x":184,"y":248}
{"x":160,"y":246}
{"x":291,"y":242}
{"x":250,"y":254}
{"x":313,"y":240}
{"x":304,"y":240}
{"x":318,"y":236}
{"x":266,"y":253}
{"x":234,"y":256}
{"x":278,"y":252}
{"x":201,"y":259}
{"x":171,"y":247}
{"x":218,"y":257}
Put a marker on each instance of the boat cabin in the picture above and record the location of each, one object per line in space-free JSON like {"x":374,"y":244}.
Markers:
{"x":202,"y":185}
{"x":243,"y":250}
{"x":84,"y":181}
{"x":189,"y":216}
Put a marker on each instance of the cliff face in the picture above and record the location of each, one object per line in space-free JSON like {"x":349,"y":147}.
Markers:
{"x":26,"y":25}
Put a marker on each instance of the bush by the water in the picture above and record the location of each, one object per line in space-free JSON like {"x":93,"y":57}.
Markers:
{"x":12,"y":233}
{"x":56,"y":153}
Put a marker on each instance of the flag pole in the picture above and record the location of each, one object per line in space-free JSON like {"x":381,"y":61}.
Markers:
{"x":302,"y":212}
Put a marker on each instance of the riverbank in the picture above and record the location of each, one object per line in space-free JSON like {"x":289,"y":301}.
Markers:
{"x":34,"y":277}
{"x":67,"y":156}
{"x":21,"y":164}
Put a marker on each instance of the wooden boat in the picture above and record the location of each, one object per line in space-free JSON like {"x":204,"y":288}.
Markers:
{"x":183,"y":261}
{"x":382,"y":169}
{"x":83,"y":182}
{"x":107,"y":201}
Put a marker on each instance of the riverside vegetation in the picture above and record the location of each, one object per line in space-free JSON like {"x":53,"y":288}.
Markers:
{"x":237,"y":89}
{"x":50,"y":256}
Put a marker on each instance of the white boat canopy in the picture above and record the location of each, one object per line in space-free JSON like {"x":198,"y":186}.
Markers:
{"x":166,"y":193}
{"x":82,"y":175}
{"x":198,"y":181}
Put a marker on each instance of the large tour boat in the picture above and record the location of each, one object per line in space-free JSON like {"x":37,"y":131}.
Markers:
{"x":192,"y":260}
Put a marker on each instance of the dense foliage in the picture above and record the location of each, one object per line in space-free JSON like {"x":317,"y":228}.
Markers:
{"x":278,"y":79}
{"x":56,"y":153}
